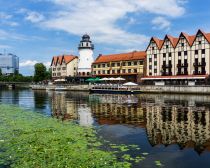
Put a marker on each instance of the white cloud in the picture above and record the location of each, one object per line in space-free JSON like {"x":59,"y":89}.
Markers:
{"x":34,"y":17}
{"x":5,"y":47}
{"x":31,"y":16}
{"x":31,"y":63}
{"x":99,"y":18}
{"x":161,"y":23}
{"x":5,"y":35}
{"x":5,"y":16}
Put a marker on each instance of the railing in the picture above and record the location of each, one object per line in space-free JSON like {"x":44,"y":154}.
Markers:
{"x":196,"y":64}
{"x":182,"y":65}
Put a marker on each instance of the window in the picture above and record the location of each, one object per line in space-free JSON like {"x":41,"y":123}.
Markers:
{"x":129,"y":70}
{"x":169,"y":54}
{"x":153,"y":48}
{"x":150,"y":59}
{"x":118,"y":64}
{"x":108,"y":65}
{"x":155,"y":55}
{"x":164,"y":55}
{"x":135,"y":63}
{"x":103,"y":72}
{"x":58,"y":69}
{"x":113,"y":64}
{"x":54,"y":69}
{"x":155,"y":62}
{"x":103,"y":65}
{"x":124,"y":71}
{"x":141,"y":62}
{"x":99,"y":66}
{"x":64,"y":68}
{"x":135,"y":70}
{"x":199,"y":42}
{"x":129,"y":63}
{"x":179,"y":53}
{"x":99,"y":72}
{"x":182,"y":44}
{"x":150,"y":67}
{"x":94,"y":72}
{"x":166,"y":46}
{"x":196,"y":52}
{"x":185,"y":52}
{"x":203,"y":51}
{"x":118,"y":71}
{"x":155,"y":70}
{"x":150,"y":74}
{"x":87,"y":44}
{"x":108,"y":71}
{"x":124,"y":63}
{"x":113,"y":71}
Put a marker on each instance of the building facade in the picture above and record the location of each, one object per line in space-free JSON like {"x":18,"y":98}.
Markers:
{"x":9,"y":64}
{"x":64,"y":66}
{"x":181,"y":60}
{"x":85,"y":56}
{"x":126,"y":65}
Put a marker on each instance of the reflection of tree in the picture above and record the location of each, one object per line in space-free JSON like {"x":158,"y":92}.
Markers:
{"x":40,"y":99}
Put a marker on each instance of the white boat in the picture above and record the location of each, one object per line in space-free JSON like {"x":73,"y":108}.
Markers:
{"x":60,"y":88}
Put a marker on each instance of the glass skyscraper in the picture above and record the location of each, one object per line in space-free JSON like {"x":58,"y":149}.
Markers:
{"x":9,"y":63}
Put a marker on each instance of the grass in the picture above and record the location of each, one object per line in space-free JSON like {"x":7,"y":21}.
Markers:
{"x":30,"y":140}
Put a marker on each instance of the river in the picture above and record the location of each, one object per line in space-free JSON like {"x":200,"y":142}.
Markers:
{"x":174,"y":129}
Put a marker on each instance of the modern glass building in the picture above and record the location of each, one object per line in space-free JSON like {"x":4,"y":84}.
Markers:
{"x":9,"y":63}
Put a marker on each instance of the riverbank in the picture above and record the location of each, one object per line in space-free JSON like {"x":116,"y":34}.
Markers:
{"x":182,"y":89}
{"x":29,"y":139}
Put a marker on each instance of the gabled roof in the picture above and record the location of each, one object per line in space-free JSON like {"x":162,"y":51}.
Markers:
{"x":174,"y":41}
{"x":136,"y":55}
{"x":59,"y":59}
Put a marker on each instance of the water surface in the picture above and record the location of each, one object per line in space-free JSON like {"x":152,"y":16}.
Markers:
{"x":174,"y":129}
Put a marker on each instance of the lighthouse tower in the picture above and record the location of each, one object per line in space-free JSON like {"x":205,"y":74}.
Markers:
{"x":85,"y":56}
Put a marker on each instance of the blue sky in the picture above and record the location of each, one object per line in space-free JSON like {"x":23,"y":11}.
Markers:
{"x":36,"y":30}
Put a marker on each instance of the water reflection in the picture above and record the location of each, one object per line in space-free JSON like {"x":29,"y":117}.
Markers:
{"x":168,"y":119}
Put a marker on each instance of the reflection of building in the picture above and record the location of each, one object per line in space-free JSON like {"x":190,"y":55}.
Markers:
{"x":108,"y":112}
{"x":85,"y":115}
{"x":63,"y":66}
{"x":9,"y":64}
{"x":127,"y":65}
{"x":62,"y":108}
{"x":187,"y":126}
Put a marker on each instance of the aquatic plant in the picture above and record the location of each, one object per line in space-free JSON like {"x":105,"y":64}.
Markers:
{"x":29,"y":139}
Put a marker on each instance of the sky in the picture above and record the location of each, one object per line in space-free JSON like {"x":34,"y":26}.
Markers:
{"x":37,"y":30}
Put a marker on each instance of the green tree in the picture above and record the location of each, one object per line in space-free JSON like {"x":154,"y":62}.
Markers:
{"x":0,"y":72}
{"x":40,"y":72}
{"x":49,"y":73}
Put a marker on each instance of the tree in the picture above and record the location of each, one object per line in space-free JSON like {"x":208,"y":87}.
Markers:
{"x":40,"y":72}
{"x":0,"y":72}
{"x":49,"y":74}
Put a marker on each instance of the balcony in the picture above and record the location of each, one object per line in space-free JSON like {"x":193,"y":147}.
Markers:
{"x":182,"y":73}
{"x":182,"y":65}
{"x":199,"y":73}
{"x":196,"y":64}
{"x":166,"y":73}
{"x":166,"y":66}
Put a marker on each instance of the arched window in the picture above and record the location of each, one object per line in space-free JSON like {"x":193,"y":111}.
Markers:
{"x":88,"y":73}
{"x":83,"y":73}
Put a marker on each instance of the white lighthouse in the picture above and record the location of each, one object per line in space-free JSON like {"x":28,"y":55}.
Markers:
{"x":85,"y":56}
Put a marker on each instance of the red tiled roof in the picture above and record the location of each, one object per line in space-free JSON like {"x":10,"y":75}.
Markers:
{"x":136,"y":55}
{"x":58,"y":59}
{"x":174,"y":40}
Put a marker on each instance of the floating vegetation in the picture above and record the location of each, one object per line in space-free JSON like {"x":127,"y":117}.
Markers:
{"x":29,"y":139}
